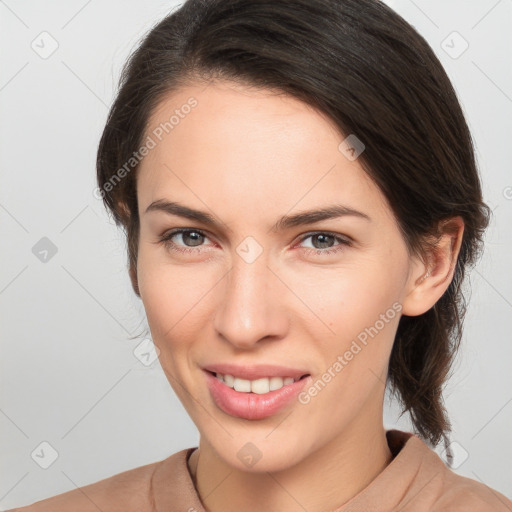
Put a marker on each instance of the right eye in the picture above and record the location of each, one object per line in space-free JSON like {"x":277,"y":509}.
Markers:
{"x":188,"y":235}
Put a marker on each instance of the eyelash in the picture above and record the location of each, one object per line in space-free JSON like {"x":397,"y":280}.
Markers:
{"x":166,"y":240}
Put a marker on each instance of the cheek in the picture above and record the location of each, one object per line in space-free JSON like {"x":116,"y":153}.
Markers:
{"x":360,"y":308}
{"x":362,"y":321}
{"x":172,"y":301}
{"x":175,"y":298}
{"x":349,"y":299}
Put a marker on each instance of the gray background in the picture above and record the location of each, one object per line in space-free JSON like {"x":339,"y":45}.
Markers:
{"x":69,"y":375}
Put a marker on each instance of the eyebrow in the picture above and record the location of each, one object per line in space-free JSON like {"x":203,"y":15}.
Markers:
{"x":284,"y":223}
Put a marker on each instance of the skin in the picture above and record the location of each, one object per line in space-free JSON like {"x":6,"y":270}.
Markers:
{"x":248,"y":157}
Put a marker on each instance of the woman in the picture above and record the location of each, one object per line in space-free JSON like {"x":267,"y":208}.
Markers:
{"x":298,"y":188}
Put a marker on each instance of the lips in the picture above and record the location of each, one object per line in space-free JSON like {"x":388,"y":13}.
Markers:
{"x":253,"y":372}
{"x":253,"y":406}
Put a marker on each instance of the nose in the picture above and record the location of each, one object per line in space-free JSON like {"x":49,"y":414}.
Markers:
{"x":251,"y":306}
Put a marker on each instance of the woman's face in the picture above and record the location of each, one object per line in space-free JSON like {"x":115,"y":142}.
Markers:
{"x":322,"y":298}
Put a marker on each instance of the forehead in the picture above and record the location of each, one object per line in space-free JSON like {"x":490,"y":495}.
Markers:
{"x":248,"y":150}
{"x":245,"y":118}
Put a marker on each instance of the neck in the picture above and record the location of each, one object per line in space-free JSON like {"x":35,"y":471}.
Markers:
{"x":325,"y":480}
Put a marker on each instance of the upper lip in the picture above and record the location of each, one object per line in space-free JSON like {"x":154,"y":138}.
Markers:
{"x":253,"y":371}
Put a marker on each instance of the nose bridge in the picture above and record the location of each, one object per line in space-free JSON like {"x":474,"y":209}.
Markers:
{"x":248,"y":309}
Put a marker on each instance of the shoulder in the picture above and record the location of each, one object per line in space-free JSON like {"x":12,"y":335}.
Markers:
{"x":444,"y":490}
{"x":425,"y":483}
{"x":127,"y":491}
{"x":457,"y":492}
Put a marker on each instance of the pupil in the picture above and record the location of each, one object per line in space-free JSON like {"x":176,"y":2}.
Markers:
{"x":324,"y":237}
{"x":197,"y":237}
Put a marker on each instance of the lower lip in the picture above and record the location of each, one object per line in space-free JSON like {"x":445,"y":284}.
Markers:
{"x":252,"y":406}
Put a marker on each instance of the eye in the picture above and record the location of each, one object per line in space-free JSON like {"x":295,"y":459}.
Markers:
{"x":322,"y":243}
{"x":193,"y":240}
{"x":194,"y":237}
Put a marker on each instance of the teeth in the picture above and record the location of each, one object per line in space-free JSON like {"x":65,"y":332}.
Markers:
{"x":259,"y":386}
{"x":275,"y":383}
{"x":242,"y":385}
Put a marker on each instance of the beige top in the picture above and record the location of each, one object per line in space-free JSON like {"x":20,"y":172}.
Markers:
{"x":416,"y":480}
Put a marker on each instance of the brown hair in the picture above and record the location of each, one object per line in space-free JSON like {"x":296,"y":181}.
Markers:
{"x":364,"y":66}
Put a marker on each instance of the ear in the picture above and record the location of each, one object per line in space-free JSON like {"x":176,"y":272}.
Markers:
{"x":428,"y":280}
{"x":124,"y":213}
{"x":134,"y":280}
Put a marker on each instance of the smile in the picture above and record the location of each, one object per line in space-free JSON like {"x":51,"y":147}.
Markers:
{"x":258,"y":386}
{"x":254,"y":399}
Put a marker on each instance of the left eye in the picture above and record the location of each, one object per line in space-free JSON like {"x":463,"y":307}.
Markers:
{"x":324,"y":239}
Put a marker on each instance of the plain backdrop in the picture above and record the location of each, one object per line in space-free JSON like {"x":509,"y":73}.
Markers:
{"x":70,"y":376}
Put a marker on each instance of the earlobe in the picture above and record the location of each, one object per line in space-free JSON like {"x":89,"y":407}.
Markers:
{"x":430,"y":279}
